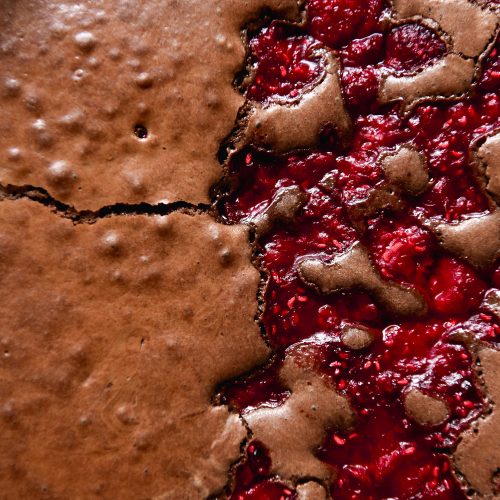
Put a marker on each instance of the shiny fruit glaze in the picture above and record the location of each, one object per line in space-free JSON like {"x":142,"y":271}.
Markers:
{"x":386,"y":454}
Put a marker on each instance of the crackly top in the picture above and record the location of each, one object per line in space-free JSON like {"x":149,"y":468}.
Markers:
{"x":75,"y":79}
{"x":109,"y":335}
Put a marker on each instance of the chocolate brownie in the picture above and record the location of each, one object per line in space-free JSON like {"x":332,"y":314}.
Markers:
{"x":250,"y":249}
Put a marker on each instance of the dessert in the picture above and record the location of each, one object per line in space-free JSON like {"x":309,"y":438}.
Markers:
{"x":250,"y":249}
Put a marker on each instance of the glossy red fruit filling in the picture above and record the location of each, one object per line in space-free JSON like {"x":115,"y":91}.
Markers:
{"x":386,"y":454}
{"x":337,"y":22}
{"x":411,"y":46}
{"x":282,"y":64}
{"x":455,"y":288}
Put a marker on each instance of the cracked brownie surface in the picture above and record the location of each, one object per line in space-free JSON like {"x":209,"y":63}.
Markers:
{"x":250,"y":249}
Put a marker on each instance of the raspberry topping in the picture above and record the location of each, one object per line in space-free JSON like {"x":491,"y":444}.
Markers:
{"x":337,"y":22}
{"x":411,"y":46}
{"x":283,"y":64}
{"x":347,"y":197}
{"x":455,"y":288}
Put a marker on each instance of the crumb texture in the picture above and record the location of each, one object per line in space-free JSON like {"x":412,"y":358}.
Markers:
{"x":114,"y":336}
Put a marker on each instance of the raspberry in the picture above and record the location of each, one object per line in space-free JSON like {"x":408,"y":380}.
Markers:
{"x":455,"y":288}
{"x":411,"y":46}
{"x":365,"y":51}
{"x":337,"y":22}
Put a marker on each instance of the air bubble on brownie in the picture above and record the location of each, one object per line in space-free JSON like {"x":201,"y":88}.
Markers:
{"x":135,"y":181}
{"x":14,"y":154}
{"x":140,"y":131}
{"x":162,"y":224}
{"x":111,"y":242}
{"x":60,"y":174}
{"x":85,"y":40}
{"x":12,"y":87}
{"x":144,"y":80}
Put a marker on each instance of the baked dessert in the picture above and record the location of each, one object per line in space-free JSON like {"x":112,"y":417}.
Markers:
{"x":250,"y":249}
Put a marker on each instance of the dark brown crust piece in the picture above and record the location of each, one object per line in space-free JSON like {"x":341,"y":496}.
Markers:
{"x":489,"y":155}
{"x":407,"y":168}
{"x":284,"y":208}
{"x":75,"y":81}
{"x":450,"y":76}
{"x":475,"y":239}
{"x":384,"y":196}
{"x":297,"y":124}
{"x":354,"y":269}
{"x":114,"y":336}
{"x":311,"y":491}
{"x":294,"y":430}
{"x":356,"y":337}
{"x":491,"y":301}
{"x":424,"y":409}
{"x":478,"y":454}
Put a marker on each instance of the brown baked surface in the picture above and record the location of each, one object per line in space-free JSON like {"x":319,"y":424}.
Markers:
{"x":114,"y":336}
{"x":76,"y":78}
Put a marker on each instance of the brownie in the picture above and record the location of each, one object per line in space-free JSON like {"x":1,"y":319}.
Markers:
{"x":250,"y":249}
